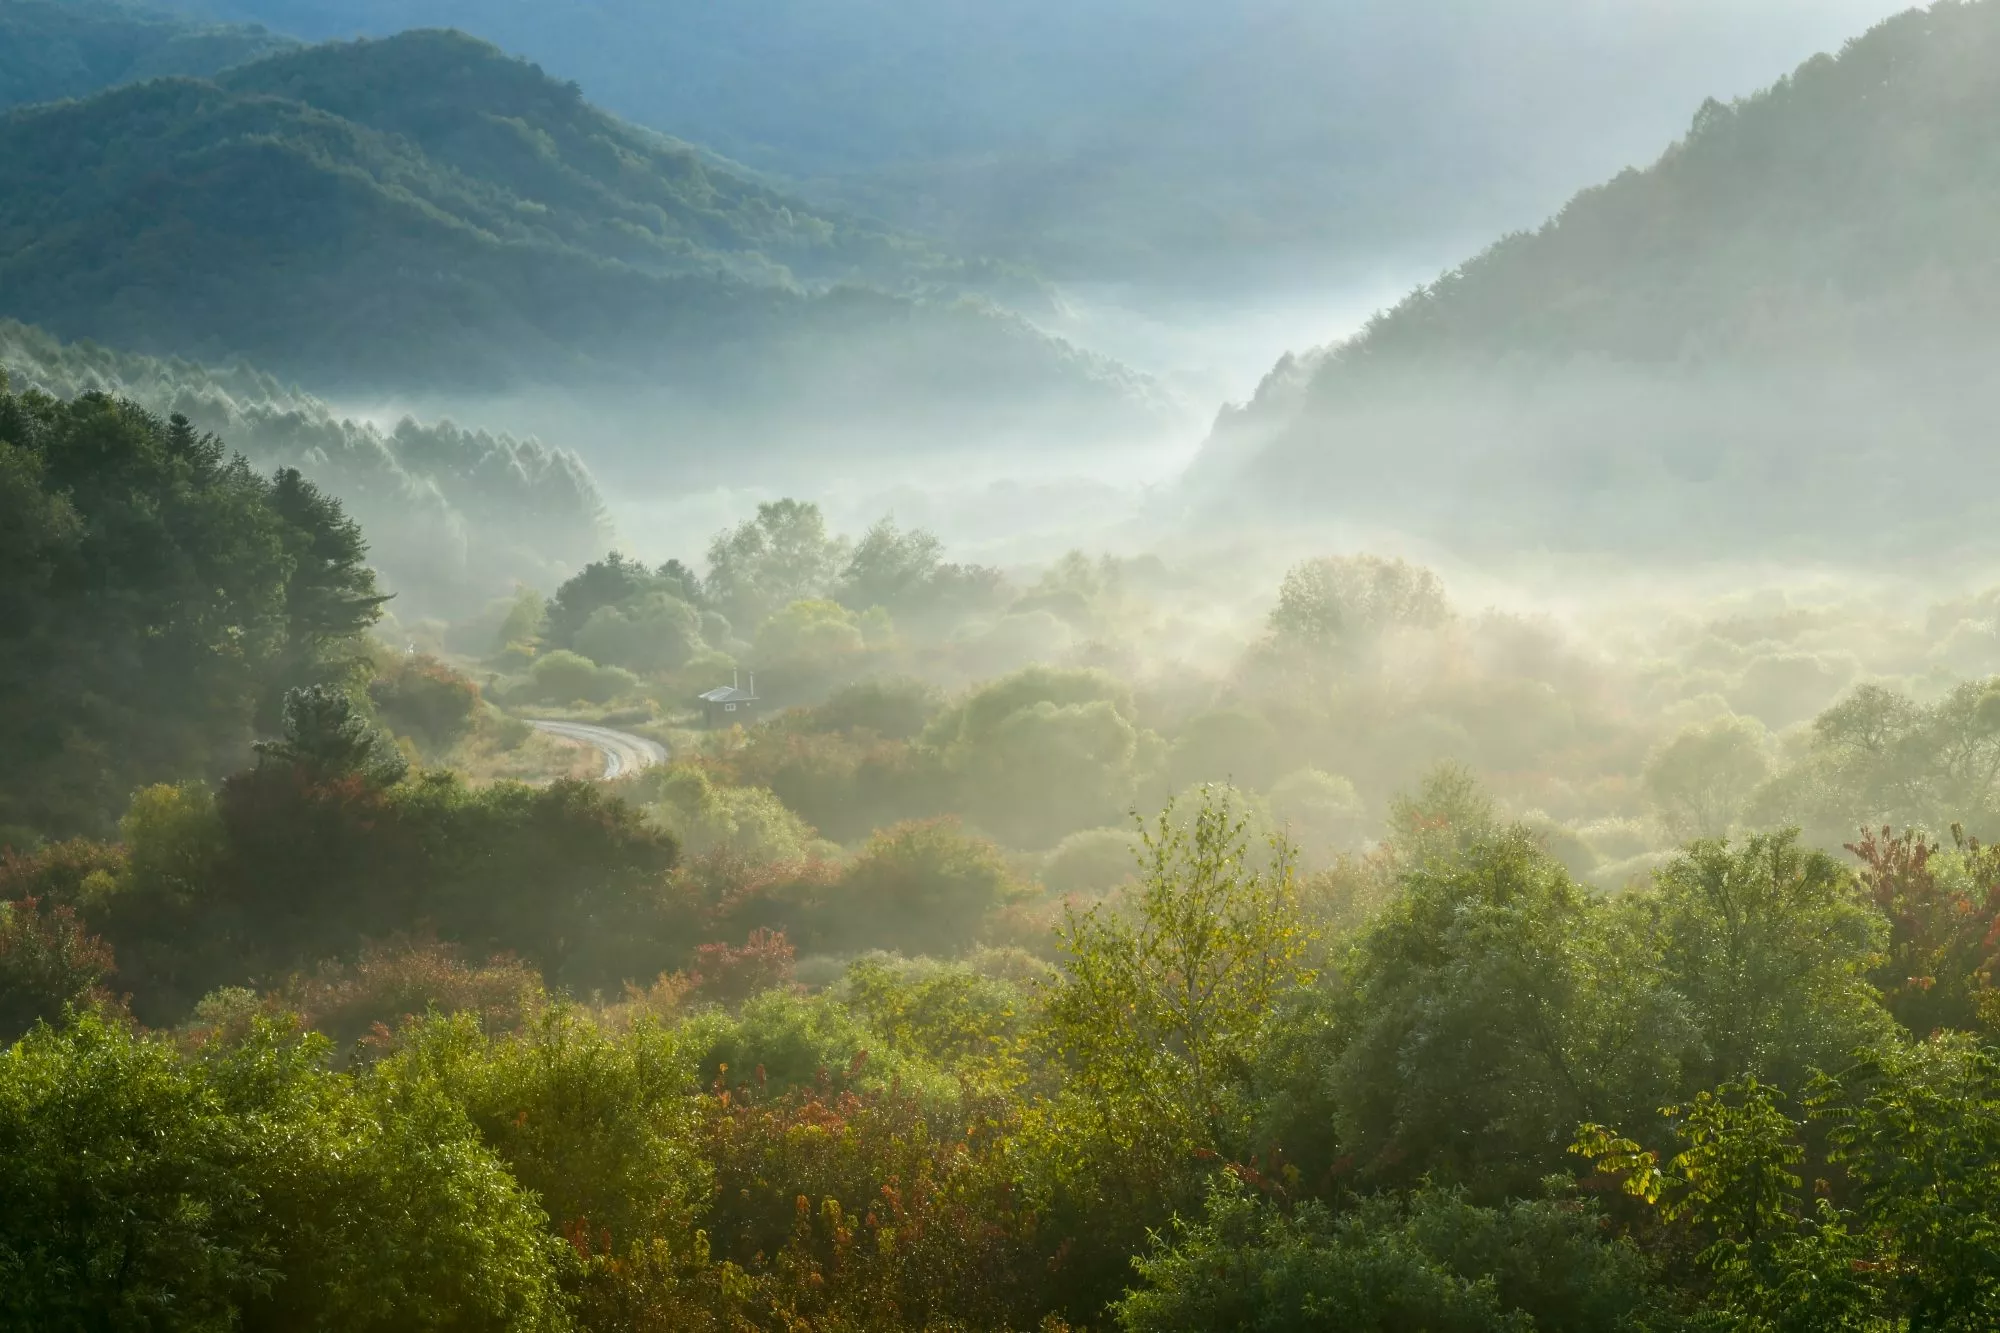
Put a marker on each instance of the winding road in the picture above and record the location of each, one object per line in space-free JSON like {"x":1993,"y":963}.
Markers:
{"x":624,"y":753}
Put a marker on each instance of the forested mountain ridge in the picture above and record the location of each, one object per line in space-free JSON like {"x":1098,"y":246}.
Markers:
{"x":1791,"y":281}
{"x":1168,"y":142}
{"x":455,"y":516}
{"x":479,"y":226}
{"x":52,"y":49}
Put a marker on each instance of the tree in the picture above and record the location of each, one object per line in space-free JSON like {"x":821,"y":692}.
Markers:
{"x":781,"y":556}
{"x":1489,"y":1008}
{"x":1770,"y":946}
{"x":609,"y":582}
{"x":326,"y":739}
{"x":1700,"y":782}
{"x":422,"y":698}
{"x":1338,"y":608}
{"x":1157,"y":1008}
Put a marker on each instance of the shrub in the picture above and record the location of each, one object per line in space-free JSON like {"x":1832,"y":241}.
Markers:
{"x":422,"y":698}
{"x":48,"y":962}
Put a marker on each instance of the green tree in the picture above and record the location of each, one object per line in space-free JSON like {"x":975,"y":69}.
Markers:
{"x":781,"y":556}
{"x":1491,"y":1006}
{"x":1158,"y":1007}
{"x":1700,"y":781}
{"x":327,"y":740}
{"x":1770,"y":946}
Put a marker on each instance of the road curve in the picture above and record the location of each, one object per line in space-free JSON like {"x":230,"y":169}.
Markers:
{"x":624,"y":753}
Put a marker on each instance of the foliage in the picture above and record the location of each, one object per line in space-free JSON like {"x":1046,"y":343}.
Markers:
{"x":453,"y":515}
{"x":78,"y":47}
{"x":326,"y":740}
{"x":1943,"y":911}
{"x":1701,"y":780}
{"x":1903,"y":1238}
{"x":48,"y":965}
{"x":1434,"y":1262}
{"x":158,"y":598}
{"x":1770,"y":946}
{"x":422,"y":698}
{"x":251,"y":1188}
{"x":563,"y":677}
{"x":1490,"y":1006}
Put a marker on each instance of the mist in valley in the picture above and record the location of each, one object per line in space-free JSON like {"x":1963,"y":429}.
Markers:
{"x":871,"y":665}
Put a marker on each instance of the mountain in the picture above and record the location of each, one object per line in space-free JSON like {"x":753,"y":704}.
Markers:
{"x":1169,"y":142}
{"x":1740,"y":344}
{"x":424,"y":214}
{"x":455,"y":517}
{"x":52,"y":49}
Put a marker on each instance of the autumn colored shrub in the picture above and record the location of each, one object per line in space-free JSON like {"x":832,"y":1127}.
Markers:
{"x":48,"y":963}
{"x":722,"y":975}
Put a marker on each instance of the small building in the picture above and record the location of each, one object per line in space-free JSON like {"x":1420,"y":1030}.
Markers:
{"x":731,"y":704}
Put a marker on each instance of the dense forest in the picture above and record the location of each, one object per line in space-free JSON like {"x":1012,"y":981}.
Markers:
{"x":430,"y":900}
{"x":1463,"y":972}
{"x":1797,"y":295}
{"x":52,"y":49}
{"x":423,"y":215}
{"x":456,"y":517}
{"x":1169,"y":143}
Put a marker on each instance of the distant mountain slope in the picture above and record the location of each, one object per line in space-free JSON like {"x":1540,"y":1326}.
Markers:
{"x":1165,"y":141}
{"x":455,"y":517}
{"x":51,"y":49}
{"x":424,"y":214}
{"x":1798,"y":299}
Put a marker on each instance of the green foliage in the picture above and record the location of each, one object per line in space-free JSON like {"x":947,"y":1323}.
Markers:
{"x":1093,"y":861}
{"x":1700,"y":781}
{"x":158,"y":596}
{"x":72,"y":48}
{"x":600,"y":1126}
{"x":1157,"y":1006}
{"x":251,"y":1189}
{"x":924,"y":888}
{"x":705,"y":816}
{"x":564,"y":677}
{"x":48,"y":965}
{"x":781,"y":556}
{"x":1042,"y":753}
{"x":1770,"y":946}
{"x":1490,"y":1006}
{"x":1336,"y":610}
{"x":422,"y":698}
{"x":454,"y":515}
{"x":326,"y":740}
{"x":1903,"y":1235}
{"x":1433,"y":1261}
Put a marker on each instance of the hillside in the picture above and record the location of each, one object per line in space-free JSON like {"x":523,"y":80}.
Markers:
{"x":455,"y":517}
{"x":1779,"y":299}
{"x":52,"y":49}
{"x":424,"y":214}
{"x":1168,"y":142}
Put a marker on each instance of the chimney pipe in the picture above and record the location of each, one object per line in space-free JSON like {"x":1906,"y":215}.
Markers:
{"x":753,"y":684}
{"x":735,"y":679}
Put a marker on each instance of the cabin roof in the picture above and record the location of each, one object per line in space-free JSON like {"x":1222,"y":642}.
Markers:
{"x":729,"y":694}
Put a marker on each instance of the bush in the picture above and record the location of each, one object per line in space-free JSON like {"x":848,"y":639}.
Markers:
{"x":1093,"y":862}
{"x":1432,"y":1261}
{"x":47,"y":963}
{"x":422,"y":698}
{"x":563,"y":677}
{"x":249,"y":1186}
{"x":395,"y":981}
{"x":919,"y":888}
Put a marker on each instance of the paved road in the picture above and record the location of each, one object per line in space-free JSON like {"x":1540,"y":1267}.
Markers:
{"x":624,"y":753}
